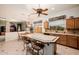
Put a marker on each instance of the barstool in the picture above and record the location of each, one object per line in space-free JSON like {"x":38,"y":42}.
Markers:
{"x":26,"y":41}
{"x":37,"y":46}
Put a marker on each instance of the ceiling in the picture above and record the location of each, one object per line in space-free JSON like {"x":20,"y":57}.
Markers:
{"x":57,"y":7}
{"x":20,"y":11}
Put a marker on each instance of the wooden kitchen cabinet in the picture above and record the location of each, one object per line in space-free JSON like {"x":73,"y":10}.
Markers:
{"x":70,"y":24}
{"x":72,"y":41}
{"x":69,"y":40}
{"x":38,"y":29}
{"x":77,"y":23}
{"x":78,"y":42}
{"x":62,"y":39}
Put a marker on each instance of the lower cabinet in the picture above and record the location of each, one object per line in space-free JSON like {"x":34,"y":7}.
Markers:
{"x":69,"y":40}
{"x":72,"y":41}
{"x":62,"y":40}
{"x":78,"y":42}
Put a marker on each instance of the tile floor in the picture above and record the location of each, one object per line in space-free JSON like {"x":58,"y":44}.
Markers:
{"x":15,"y":47}
{"x":63,"y":50}
{"x":12,"y":48}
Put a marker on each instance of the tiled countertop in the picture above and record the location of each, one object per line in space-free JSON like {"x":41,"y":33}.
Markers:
{"x":42,"y":37}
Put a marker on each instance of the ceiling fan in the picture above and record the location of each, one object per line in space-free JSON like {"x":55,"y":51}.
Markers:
{"x":40,"y":11}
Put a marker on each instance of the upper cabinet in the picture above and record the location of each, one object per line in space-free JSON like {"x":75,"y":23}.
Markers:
{"x":77,"y":23}
{"x":72,"y":23}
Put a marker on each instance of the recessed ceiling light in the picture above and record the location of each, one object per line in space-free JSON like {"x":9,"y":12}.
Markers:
{"x":53,"y":8}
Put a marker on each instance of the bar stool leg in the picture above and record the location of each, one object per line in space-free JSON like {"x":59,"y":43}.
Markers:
{"x":23,"y":46}
{"x":43,"y":51}
{"x":26,"y":50}
{"x":37,"y":52}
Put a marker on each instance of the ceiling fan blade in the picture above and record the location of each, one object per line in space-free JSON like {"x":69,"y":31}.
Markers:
{"x":44,"y":13}
{"x":34,"y":9}
{"x":45,"y":9}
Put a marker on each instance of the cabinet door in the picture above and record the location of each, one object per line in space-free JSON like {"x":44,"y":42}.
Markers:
{"x":70,"y":24}
{"x":38,"y":29}
{"x":78,"y":42}
{"x":62,"y":39}
{"x":77,"y":23}
{"x":72,"y":41}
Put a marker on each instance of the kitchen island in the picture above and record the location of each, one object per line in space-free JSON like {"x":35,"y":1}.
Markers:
{"x":48,"y":41}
